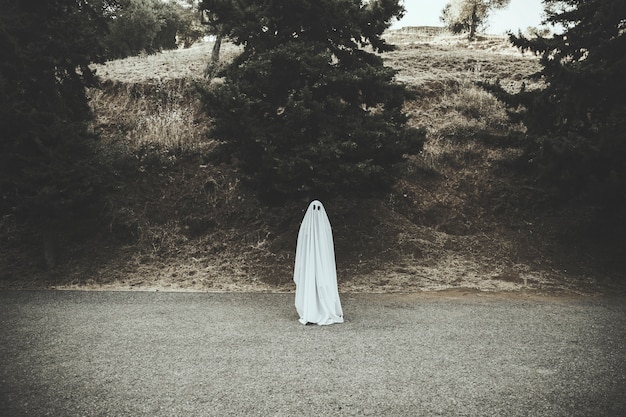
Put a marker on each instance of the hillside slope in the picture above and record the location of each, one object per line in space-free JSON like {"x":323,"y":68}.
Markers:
{"x":462,"y":216}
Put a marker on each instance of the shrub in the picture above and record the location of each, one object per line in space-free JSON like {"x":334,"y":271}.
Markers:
{"x":149,"y":26}
{"x":577,"y":123}
{"x":305,"y":108}
{"x":48,"y":178}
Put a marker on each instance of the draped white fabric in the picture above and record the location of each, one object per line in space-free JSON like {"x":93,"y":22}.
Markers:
{"x":315,"y":273}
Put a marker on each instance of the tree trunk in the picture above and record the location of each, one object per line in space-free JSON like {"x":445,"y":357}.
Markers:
{"x":473,"y":22}
{"x":213,"y":65}
{"x":215,"y":52}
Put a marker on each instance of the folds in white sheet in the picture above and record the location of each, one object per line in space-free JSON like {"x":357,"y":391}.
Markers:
{"x":315,"y":272}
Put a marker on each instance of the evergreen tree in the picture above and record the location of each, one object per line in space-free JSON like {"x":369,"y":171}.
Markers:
{"x":578,"y":122}
{"x":469,"y":15}
{"x":150,"y":26}
{"x":47,"y":175}
{"x":305,"y":108}
{"x":133,"y":30}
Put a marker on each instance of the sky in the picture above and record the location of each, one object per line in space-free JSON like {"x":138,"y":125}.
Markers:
{"x":519,"y":14}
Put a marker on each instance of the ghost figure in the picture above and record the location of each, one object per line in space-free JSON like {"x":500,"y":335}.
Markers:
{"x":315,"y":273}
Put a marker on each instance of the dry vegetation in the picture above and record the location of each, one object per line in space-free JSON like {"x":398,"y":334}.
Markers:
{"x":460,"y":217}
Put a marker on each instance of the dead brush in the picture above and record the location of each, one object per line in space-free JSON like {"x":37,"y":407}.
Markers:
{"x":440,"y":154}
{"x":462,"y":118}
{"x":165,"y":115}
{"x":474,"y":103}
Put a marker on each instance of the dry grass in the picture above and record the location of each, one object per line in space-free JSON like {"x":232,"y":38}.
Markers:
{"x":176,"y":64}
{"x":163,"y":114}
{"x":445,"y":59}
{"x":150,"y":101}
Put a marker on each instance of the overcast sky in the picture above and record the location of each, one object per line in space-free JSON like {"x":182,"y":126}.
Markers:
{"x":520,"y":14}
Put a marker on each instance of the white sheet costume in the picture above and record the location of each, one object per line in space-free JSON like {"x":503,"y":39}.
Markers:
{"x":315,"y":273}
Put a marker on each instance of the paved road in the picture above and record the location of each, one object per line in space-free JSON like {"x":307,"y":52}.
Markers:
{"x":190,"y":354}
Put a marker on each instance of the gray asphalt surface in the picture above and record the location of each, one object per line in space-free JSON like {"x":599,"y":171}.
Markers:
{"x":192,"y":354}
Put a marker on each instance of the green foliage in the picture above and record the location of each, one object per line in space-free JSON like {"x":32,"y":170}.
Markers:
{"x":189,"y":28}
{"x":150,"y":26}
{"x":578,"y":122}
{"x":305,"y":108}
{"x":468,"y":15}
{"x":46,"y":166}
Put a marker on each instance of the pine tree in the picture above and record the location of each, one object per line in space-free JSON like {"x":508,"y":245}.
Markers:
{"x":578,"y":122}
{"x":305,"y":108}
{"x":47,"y":174}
